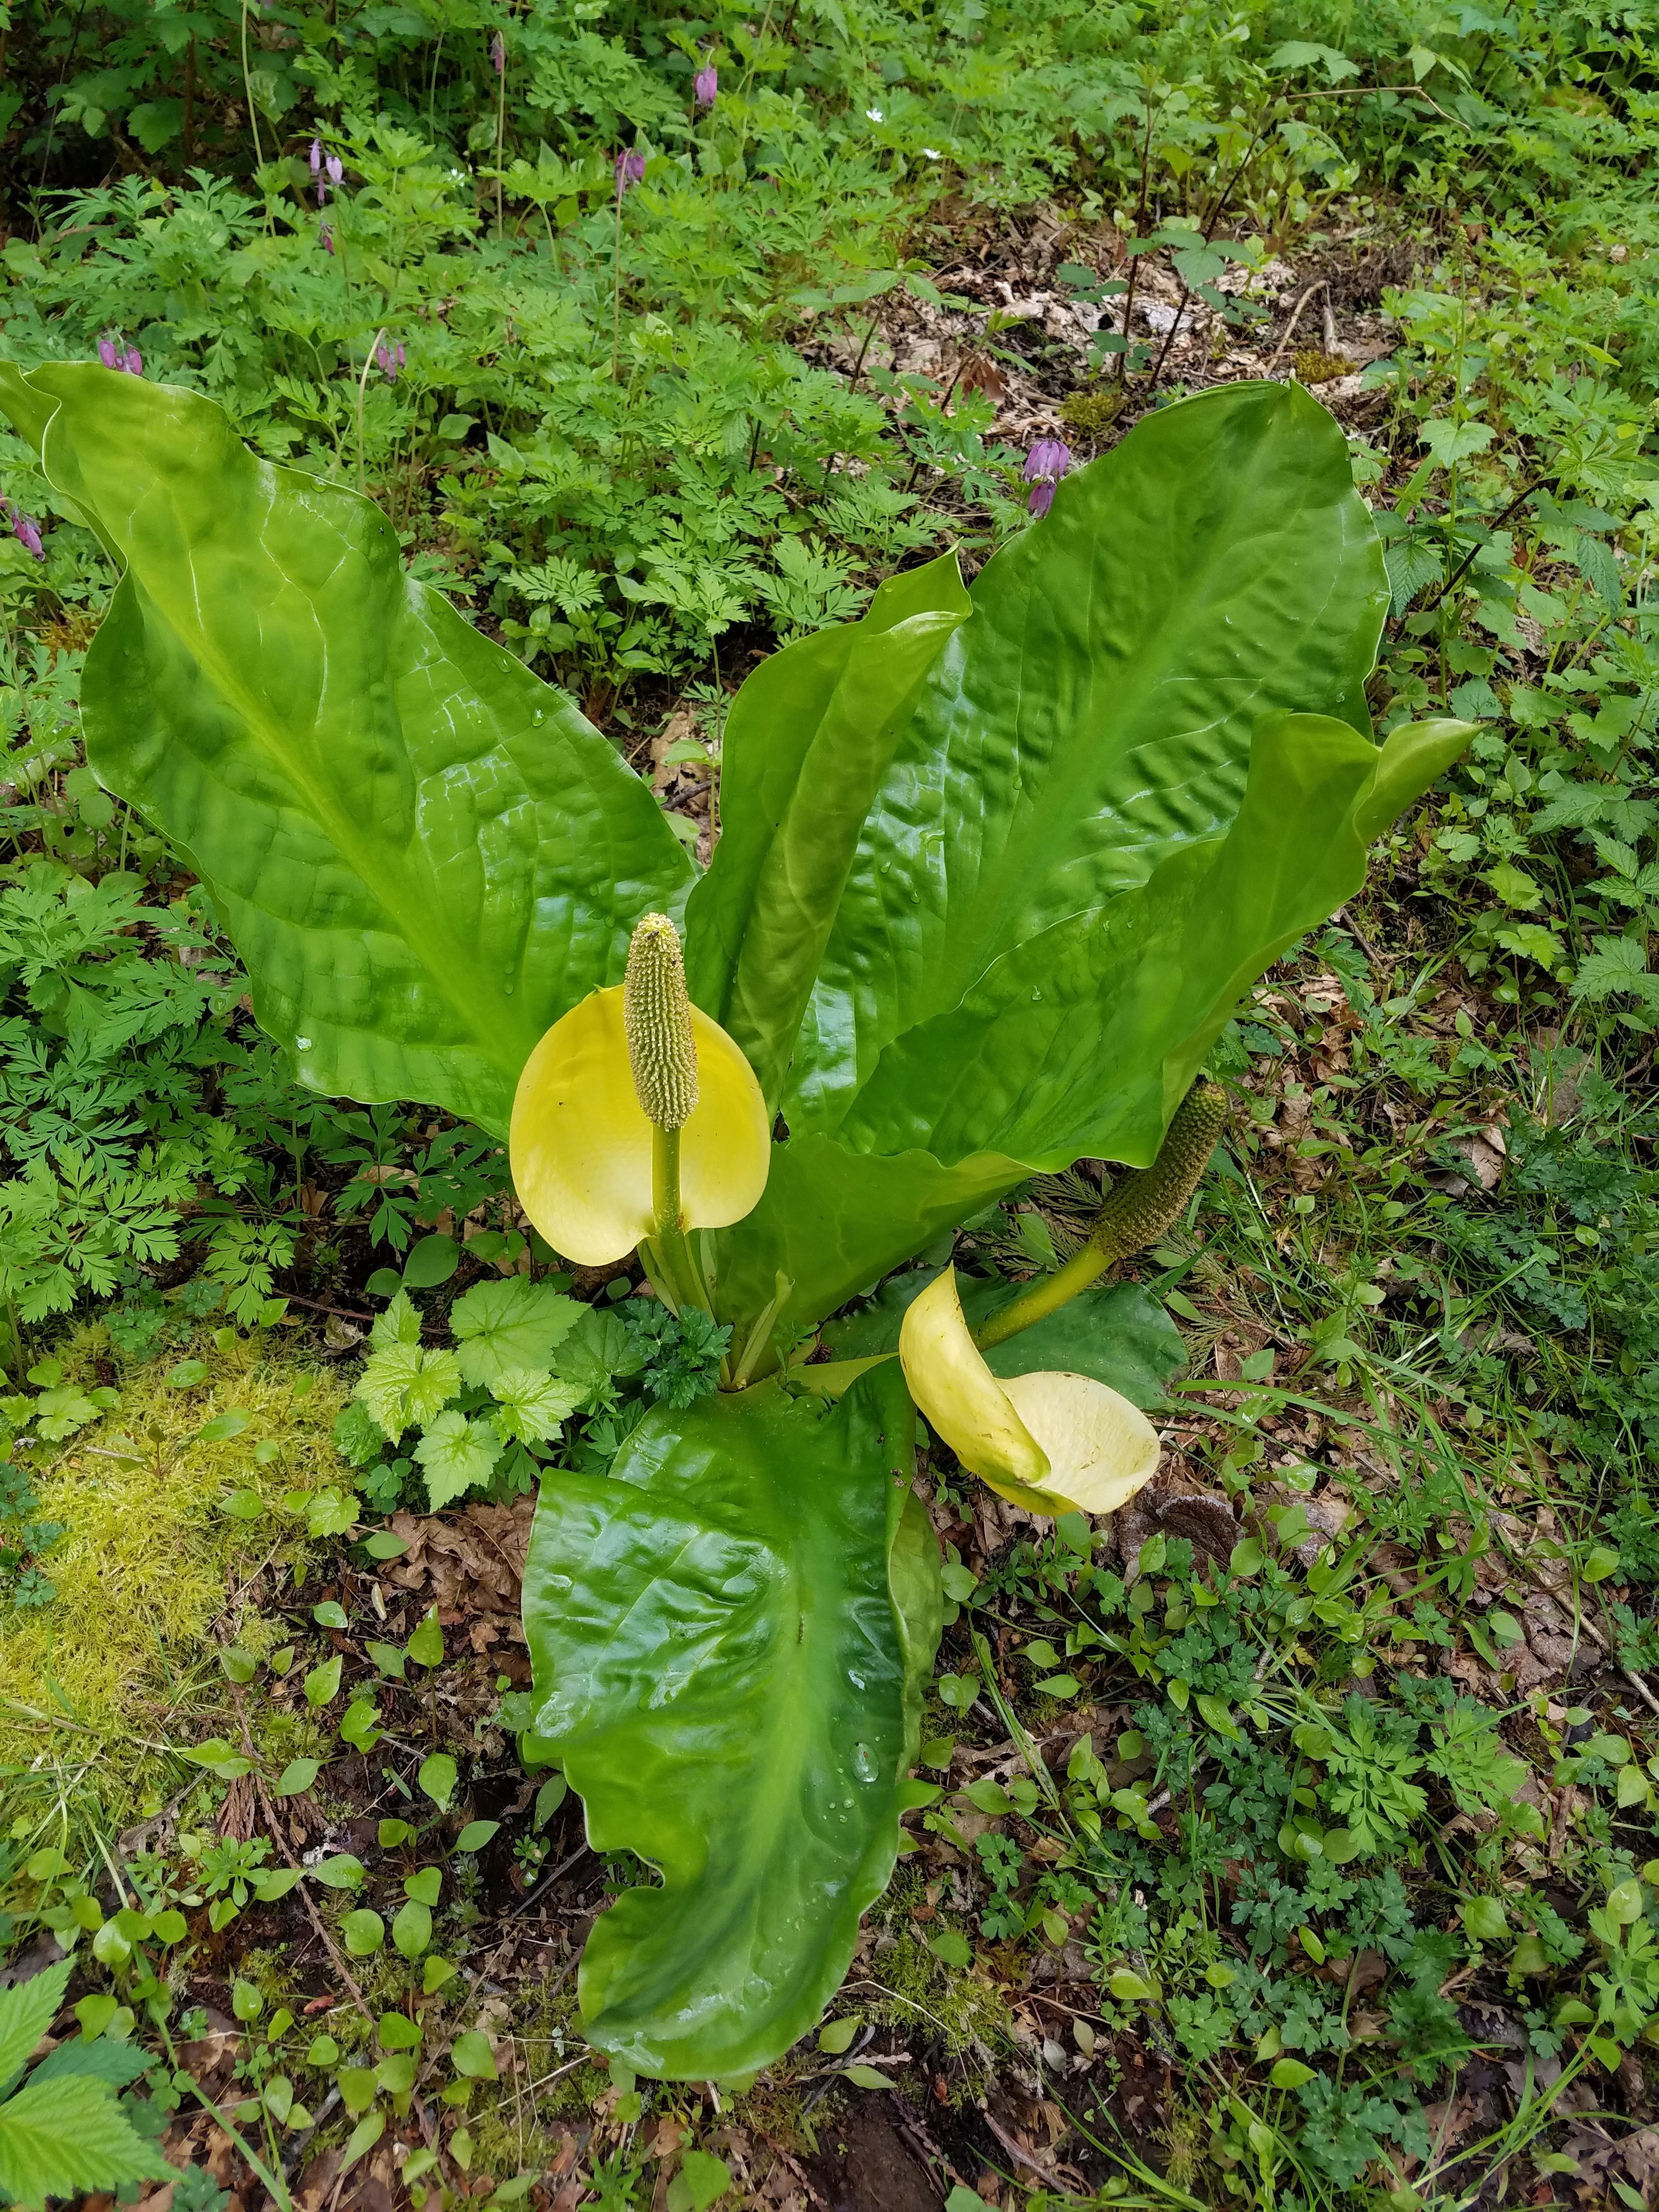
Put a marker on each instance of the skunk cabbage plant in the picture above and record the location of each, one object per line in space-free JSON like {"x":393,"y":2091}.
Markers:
{"x":995,"y":866}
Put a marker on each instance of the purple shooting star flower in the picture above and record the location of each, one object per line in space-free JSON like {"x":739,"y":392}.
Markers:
{"x":705,"y":86}
{"x":134,"y":364}
{"x":631,"y":168}
{"x":327,"y":238}
{"x":390,"y":360}
{"x":316,"y":158}
{"x":498,"y":54}
{"x":107,"y":353}
{"x":27,"y":534}
{"x":1045,"y":465}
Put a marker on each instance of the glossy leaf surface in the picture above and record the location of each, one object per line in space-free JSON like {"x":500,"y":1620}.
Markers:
{"x":834,"y":1221}
{"x":1040,"y":930}
{"x":730,"y":1635}
{"x":806,"y":745}
{"x":423,"y":853}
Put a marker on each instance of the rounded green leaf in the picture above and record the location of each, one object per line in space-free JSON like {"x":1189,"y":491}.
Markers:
{"x":471,"y":2056}
{"x":95,"y":2013}
{"x":1485,"y":1918}
{"x":423,"y":853}
{"x":356,"y":2085}
{"x":950,"y":1948}
{"x":298,"y":1774}
{"x":1290,"y":2074}
{"x":767,"y":1546}
{"x":364,"y":1932}
{"x":426,"y":1646}
{"x":412,"y":1931}
{"x":1127,"y":1986}
{"x":432,"y":1260}
{"x":477,"y":1834}
{"x":438,"y":1779}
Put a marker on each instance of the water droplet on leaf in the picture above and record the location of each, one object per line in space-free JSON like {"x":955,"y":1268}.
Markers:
{"x":864,"y":1762}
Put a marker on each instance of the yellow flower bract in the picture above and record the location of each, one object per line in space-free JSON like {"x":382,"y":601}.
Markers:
{"x":1052,"y":1442}
{"x":580,"y":1140}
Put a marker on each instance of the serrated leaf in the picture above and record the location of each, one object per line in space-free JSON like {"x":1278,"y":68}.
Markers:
{"x":26,"y":2011}
{"x":424,"y":855}
{"x":454,"y":1454}
{"x":533,"y":1408}
{"x":408,"y":1385}
{"x":68,"y":2134}
{"x":400,"y":1323}
{"x":509,"y":1326}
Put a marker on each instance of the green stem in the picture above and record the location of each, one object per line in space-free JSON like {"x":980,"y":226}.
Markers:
{"x":1045,"y":1294}
{"x":1139,"y":1209}
{"x":666,"y":1181}
{"x":670,"y":1245}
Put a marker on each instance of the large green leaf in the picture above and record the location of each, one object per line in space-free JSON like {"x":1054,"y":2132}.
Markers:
{"x":730,"y":1636}
{"x":423,"y":853}
{"x":805,"y":746}
{"x":1039,"y":931}
{"x":1082,"y":1040}
{"x":1120,"y":1335}
{"x":834,"y":1221}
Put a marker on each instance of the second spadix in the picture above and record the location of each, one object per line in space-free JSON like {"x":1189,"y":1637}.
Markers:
{"x":1051,"y":1442}
{"x":631,"y":1066}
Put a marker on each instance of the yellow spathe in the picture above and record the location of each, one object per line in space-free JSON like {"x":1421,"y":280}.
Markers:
{"x":1102,"y":1449}
{"x":1052,"y":1442}
{"x":958,"y":1394}
{"x":580,"y":1143}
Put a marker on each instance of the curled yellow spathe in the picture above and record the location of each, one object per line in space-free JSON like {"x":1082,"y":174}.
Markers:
{"x":1054,"y":1443}
{"x":580,"y":1141}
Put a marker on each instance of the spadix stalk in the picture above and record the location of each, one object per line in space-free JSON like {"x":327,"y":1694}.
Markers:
{"x":637,"y":1118}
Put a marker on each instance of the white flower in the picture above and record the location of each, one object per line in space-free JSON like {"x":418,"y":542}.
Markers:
{"x":875,"y":115}
{"x":933,"y":152}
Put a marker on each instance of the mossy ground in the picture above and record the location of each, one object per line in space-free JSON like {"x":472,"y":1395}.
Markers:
{"x":95,"y":1685}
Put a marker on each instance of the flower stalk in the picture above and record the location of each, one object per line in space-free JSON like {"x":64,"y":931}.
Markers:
{"x":1137,"y":1211}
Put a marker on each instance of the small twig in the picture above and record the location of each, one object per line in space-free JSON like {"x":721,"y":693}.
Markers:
{"x":316,"y":1305}
{"x":1044,"y":2174}
{"x":1582,"y":1620}
{"x":1290,"y":327}
{"x":1497,"y":523}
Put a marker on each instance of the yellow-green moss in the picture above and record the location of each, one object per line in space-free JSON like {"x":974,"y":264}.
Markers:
{"x":98,"y":1678}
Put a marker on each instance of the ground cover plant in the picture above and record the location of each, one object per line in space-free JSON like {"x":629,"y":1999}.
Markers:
{"x":1293,"y":1831}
